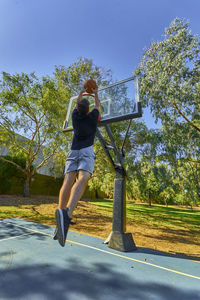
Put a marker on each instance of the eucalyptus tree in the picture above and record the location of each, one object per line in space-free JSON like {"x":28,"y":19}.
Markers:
{"x":29,"y":121}
{"x":170,"y":84}
{"x":33,"y":110}
{"x":170,"y":77}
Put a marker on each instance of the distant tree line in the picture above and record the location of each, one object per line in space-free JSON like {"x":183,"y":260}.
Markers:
{"x":163,"y":166}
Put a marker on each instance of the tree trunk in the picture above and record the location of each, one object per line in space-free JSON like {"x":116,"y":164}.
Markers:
{"x":149,"y":197}
{"x":198,"y":194}
{"x":27,"y":187}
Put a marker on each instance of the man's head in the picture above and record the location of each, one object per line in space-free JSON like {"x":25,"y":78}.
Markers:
{"x":83,"y":106}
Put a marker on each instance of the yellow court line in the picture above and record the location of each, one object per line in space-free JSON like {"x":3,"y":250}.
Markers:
{"x":16,"y":236}
{"x":133,"y":259}
{"x":33,"y":230}
{"x":115,"y":254}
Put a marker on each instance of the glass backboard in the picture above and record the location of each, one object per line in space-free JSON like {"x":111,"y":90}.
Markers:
{"x":119,"y":101}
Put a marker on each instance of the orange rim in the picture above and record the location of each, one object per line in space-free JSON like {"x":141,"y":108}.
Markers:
{"x":88,"y":95}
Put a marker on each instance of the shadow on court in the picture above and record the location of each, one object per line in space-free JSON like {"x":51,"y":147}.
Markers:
{"x":33,"y":266}
{"x":11,"y":230}
{"x":75,"y":281}
{"x":161,"y":253}
{"x":8,"y":230}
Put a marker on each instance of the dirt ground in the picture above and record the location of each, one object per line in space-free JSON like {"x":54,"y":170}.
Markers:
{"x":93,"y":221}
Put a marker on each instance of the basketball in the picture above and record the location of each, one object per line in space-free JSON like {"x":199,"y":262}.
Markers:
{"x":89,"y":85}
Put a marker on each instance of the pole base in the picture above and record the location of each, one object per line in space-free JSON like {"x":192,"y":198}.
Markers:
{"x":121,"y":241}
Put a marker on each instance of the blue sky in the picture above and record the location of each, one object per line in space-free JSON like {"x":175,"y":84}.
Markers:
{"x":36,"y":35}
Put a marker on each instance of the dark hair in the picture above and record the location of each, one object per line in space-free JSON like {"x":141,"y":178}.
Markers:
{"x":83,"y":106}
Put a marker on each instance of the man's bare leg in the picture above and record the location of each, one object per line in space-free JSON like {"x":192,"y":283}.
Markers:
{"x":65,"y":190}
{"x":78,"y":190}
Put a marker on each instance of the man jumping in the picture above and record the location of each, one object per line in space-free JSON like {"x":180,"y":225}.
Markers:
{"x":79,"y":163}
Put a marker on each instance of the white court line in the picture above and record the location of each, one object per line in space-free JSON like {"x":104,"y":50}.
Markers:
{"x":115,"y":254}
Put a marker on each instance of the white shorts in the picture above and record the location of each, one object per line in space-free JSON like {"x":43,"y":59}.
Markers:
{"x":82,"y":159}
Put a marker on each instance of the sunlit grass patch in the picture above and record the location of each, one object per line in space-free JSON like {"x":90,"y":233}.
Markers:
{"x":156,"y":215}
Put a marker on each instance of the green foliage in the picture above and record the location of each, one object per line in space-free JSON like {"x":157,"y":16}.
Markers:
{"x":73,"y":76}
{"x":169,"y":76}
{"x":33,"y":109}
{"x":169,"y":83}
{"x":30,"y":114}
{"x":9,"y":172}
{"x":103,"y":176}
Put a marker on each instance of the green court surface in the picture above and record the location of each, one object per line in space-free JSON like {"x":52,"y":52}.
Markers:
{"x":34,"y":266}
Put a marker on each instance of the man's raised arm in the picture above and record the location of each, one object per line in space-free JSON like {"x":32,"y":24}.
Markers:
{"x":97,"y":103}
{"x":80,"y":96}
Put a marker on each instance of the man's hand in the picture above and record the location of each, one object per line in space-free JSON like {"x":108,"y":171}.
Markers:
{"x":79,"y":98}
{"x":95,"y":91}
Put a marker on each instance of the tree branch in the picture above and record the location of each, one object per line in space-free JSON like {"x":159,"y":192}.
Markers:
{"x":179,"y":111}
{"x":191,"y":160}
{"x":31,"y":144}
{"x":13,"y":163}
{"x":13,"y":139}
{"x":43,"y":162}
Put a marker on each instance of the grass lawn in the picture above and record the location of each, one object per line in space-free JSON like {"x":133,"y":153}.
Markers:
{"x":157,"y":216}
{"x":170,"y":229}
